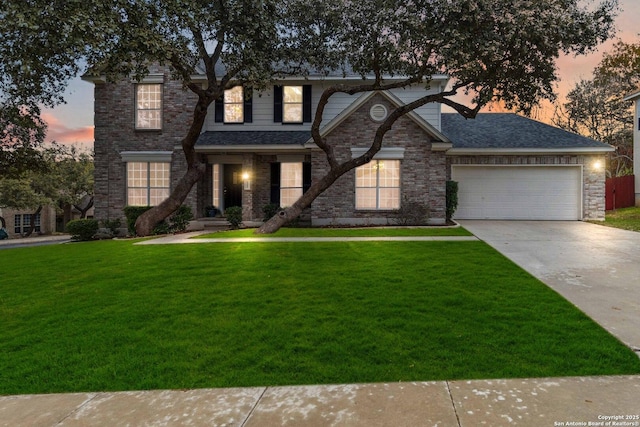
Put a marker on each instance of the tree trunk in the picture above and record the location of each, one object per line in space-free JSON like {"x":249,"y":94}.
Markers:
{"x":292,"y":212}
{"x":32,"y":226}
{"x":83,"y":211}
{"x":148,"y":220}
{"x":3,"y":224}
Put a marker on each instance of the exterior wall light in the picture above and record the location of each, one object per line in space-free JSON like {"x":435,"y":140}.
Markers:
{"x":597,"y":165}
{"x":246,"y":179}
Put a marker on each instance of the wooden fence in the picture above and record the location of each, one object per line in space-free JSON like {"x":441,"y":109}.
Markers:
{"x":619,"y":192}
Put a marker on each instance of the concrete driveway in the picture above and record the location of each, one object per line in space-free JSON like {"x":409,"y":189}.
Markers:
{"x":595,"y":267}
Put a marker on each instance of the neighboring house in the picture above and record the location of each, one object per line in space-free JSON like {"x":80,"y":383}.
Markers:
{"x":635,"y":97}
{"x":19,"y":221}
{"x":258,"y":151}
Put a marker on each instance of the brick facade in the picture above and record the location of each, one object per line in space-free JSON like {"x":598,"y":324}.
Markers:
{"x":115,"y":133}
{"x":422,"y":171}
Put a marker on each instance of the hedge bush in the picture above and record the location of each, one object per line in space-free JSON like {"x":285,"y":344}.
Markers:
{"x":451,"y":198}
{"x":132,"y":213}
{"x":83,"y":229}
{"x":177,"y":222}
{"x":234,"y":216}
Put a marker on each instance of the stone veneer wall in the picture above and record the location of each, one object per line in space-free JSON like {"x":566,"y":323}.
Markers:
{"x":422,"y":171}
{"x":115,"y":132}
{"x":593,"y":178}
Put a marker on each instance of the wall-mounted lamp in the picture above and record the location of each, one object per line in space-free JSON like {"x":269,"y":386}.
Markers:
{"x":246,"y":179}
{"x":597,"y":165}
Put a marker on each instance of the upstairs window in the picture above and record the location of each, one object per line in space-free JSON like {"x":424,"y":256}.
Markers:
{"x":292,"y":104}
{"x":234,"y":105}
{"x":149,"y":106}
{"x":378,"y":185}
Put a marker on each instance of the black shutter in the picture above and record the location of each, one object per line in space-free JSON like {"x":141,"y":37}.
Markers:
{"x":248,"y":105}
{"x":306,"y":103}
{"x":275,"y":183}
{"x":277,"y":104}
{"x":219,"y":110}
{"x":306,"y":176}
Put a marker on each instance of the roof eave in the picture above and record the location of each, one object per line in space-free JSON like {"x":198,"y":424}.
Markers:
{"x":253,"y":148}
{"x":528,"y":151}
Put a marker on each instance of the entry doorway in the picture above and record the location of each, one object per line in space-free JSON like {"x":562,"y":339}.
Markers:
{"x":232,"y":185}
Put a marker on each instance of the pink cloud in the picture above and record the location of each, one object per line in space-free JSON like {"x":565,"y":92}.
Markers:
{"x":62,"y":134}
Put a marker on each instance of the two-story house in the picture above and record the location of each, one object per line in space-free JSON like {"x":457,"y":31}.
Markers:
{"x":258,"y":150}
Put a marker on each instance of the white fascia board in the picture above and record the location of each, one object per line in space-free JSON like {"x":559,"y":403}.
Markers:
{"x":632,"y":96}
{"x":527,"y":151}
{"x":253,"y":148}
{"x":94,"y":79}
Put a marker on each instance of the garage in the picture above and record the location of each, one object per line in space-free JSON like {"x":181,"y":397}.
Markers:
{"x":518,"y":192}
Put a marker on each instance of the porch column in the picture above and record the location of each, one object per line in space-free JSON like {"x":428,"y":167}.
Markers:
{"x":249,"y":162}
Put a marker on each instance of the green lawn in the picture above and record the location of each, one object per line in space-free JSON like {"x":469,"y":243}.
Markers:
{"x":115,"y":316}
{"x":627,"y":218}
{"x":343,"y":232}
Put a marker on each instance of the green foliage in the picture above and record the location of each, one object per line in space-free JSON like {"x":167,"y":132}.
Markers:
{"x":179,"y":221}
{"x":83,"y":229}
{"x":411,"y":213}
{"x":132,"y":213}
{"x":269,"y":211}
{"x":451,"y":198}
{"x":113,"y":225}
{"x":234,"y":216}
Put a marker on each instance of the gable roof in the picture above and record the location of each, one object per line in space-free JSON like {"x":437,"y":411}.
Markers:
{"x":510,"y":133}
{"x":436,"y":135}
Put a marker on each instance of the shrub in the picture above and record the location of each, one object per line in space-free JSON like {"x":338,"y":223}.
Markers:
{"x":112,"y":225}
{"x":179,"y":221}
{"x":132,"y":213}
{"x":412,"y":213}
{"x":83,"y":229}
{"x":452,"y":198}
{"x":234,"y":216}
{"x":269,"y":211}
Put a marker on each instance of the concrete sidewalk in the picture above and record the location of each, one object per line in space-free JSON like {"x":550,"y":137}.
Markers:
{"x":542,"y":402}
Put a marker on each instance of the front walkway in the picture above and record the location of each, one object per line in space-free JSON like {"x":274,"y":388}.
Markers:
{"x":189,"y":238}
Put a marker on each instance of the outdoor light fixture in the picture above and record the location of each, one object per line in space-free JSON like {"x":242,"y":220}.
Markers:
{"x":246,"y":180}
{"x":597,"y":165}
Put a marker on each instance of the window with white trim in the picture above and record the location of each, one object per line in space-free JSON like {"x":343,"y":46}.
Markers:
{"x":234,"y":105}
{"x":378,"y":185}
{"x":22,"y":223}
{"x":147,"y":183}
{"x":149,"y":106}
{"x":290,"y":183}
{"x":292,"y":104}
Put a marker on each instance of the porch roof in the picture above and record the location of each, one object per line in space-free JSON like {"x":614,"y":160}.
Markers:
{"x":252,"y":139}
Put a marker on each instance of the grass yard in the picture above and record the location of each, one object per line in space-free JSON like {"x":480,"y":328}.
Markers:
{"x":343,"y":232}
{"x":114,"y":316}
{"x":626,"y":218}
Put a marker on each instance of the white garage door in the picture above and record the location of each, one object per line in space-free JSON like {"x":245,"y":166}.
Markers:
{"x":524,"y":192}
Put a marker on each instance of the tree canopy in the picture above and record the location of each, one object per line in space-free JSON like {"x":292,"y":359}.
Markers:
{"x":596,"y":107}
{"x":493,"y":50}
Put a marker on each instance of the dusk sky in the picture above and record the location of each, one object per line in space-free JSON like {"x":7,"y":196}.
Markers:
{"x":72,"y":123}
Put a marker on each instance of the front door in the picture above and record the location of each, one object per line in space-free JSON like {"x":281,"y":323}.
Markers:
{"x":232,"y":185}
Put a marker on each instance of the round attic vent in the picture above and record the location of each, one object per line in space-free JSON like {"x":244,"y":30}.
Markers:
{"x":378,"y":112}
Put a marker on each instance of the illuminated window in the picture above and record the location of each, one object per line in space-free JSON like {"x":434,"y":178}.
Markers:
{"x":147,"y":183}
{"x":234,"y":105}
{"x":290,"y":183}
{"x":149,"y":106}
{"x":292,"y":104}
{"x":378,"y":185}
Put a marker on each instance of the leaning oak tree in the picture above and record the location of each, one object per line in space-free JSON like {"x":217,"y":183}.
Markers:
{"x":493,"y":51}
